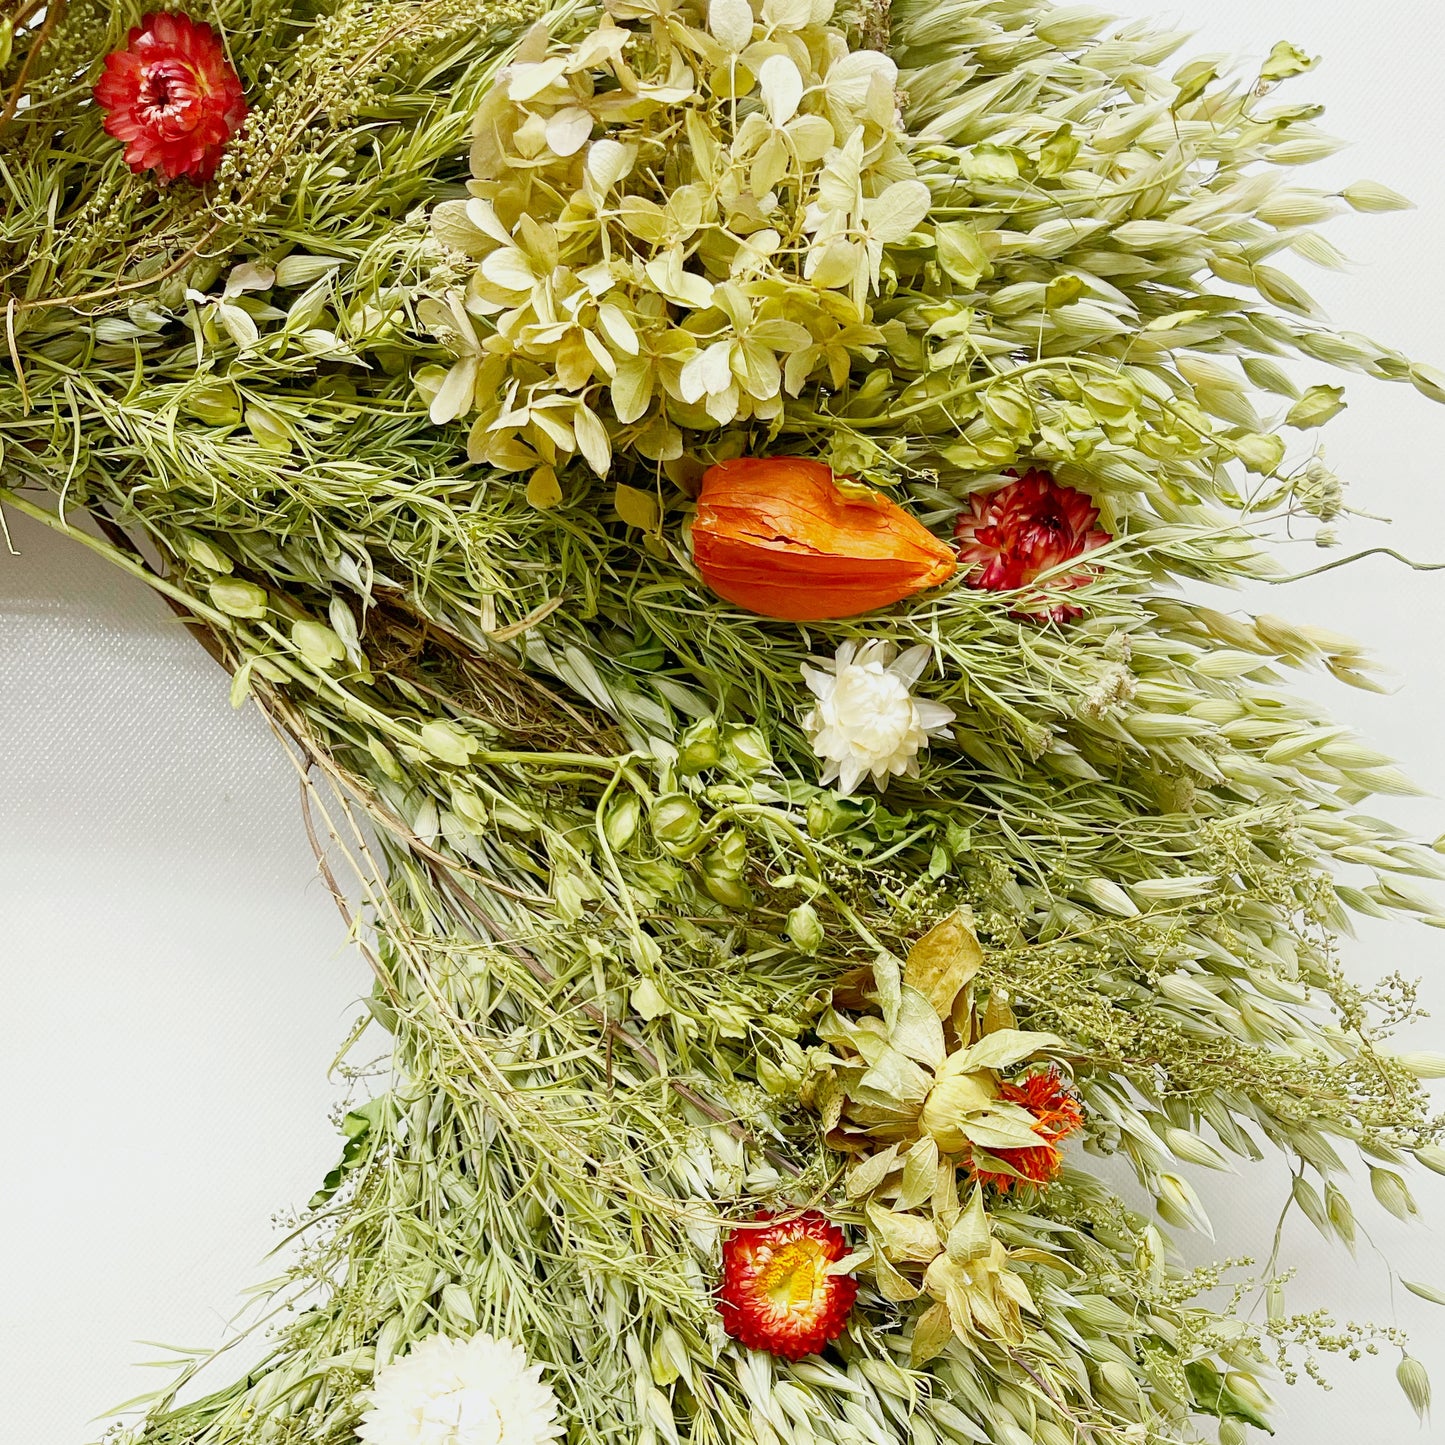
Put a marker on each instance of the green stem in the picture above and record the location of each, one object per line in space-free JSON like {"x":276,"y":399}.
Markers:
{"x":57,"y":523}
{"x":967,"y":388}
{"x":1359,"y":557}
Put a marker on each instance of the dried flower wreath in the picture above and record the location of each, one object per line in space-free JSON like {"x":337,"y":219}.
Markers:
{"x":699,"y":486}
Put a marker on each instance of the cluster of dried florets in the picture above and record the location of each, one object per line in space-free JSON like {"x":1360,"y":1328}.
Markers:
{"x":913,"y":1086}
{"x":675,"y":221}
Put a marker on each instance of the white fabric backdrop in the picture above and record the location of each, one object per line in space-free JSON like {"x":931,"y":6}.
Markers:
{"x":176,"y":981}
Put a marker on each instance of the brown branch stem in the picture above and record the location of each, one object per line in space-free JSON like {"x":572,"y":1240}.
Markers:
{"x":53,"y":15}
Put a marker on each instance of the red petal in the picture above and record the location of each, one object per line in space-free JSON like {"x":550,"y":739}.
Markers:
{"x":173,"y":95}
{"x":1057,"y":1114}
{"x":775,"y":1294}
{"x":1011,"y":536}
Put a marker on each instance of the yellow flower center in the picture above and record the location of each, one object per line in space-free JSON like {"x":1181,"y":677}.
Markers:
{"x":794,"y":1275}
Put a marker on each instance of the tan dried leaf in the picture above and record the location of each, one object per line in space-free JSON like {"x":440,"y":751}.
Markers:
{"x":903,"y":1238}
{"x":943,"y":962}
{"x":931,"y":1334}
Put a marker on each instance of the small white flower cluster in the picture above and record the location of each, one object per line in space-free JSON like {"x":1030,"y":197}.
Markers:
{"x":1319,"y":491}
{"x":479,"y":1391}
{"x":867,"y":721}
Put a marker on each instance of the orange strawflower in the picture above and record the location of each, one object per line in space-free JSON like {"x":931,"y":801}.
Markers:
{"x":1057,"y":1114}
{"x":776,"y":1294}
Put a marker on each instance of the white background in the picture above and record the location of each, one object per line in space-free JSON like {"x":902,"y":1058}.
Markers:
{"x":175,"y":980}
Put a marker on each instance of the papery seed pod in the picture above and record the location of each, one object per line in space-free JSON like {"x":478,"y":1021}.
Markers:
{"x":659,"y":876}
{"x":1179,"y":1204}
{"x":805,"y":929}
{"x":1248,"y":1389}
{"x":1017,"y":1404}
{"x":923,"y":1432}
{"x":1097,"y":1312}
{"x":724,"y":887}
{"x":956,"y":1095}
{"x":1150,"y":1254}
{"x":509,"y":815}
{"x":239,"y":599}
{"x":828,"y":815}
{"x":1390,"y":1190}
{"x":886,"y":1376}
{"x":1296,"y":208}
{"x":1227,"y":662}
{"x":1423,"y":1065}
{"x":1307,"y":1197}
{"x":778,"y":536}
{"x":384,"y":758}
{"x":199,"y":550}
{"x":675,"y":821}
{"x":446,"y":742}
{"x":1186,"y":885}
{"x":458,"y":833}
{"x":747,"y":749}
{"x":730,"y":856}
{"x":699,"y":748}
{"x":779,"y":1082}
{"x":1186,"y":989}
{"x":1194,"y":1150}
{"x":1415,"y":1382}
{"x":1120,"y":1379}
{"x":622,"y":820}
{"x":1008,"y":1432}
{"x":1146,"y":1152}
{"x":1432,"y":1156}
{"x":467,"y":806}
{"x":317,"y":642}
{"x":1341,"y":1216}
{"x":1372,"y":196}
{"x":1112,"y":898}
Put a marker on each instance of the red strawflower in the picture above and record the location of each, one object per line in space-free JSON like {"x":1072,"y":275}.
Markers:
{"x":173,"y":97}
{"x":776,"y":1294}
{"x":1010,"y":536}
{"x":1057,"y":1114}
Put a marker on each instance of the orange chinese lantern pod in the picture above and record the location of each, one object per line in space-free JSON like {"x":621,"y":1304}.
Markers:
{"x":778,"y":536}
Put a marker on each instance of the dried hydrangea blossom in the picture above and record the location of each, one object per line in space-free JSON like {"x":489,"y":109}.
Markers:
{"x":675,"y":221}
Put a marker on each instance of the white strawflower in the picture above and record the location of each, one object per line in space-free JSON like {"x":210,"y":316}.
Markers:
{"x":479,"y":1391}
{"x":867,"y":720}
